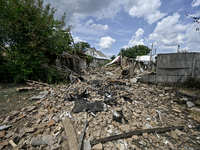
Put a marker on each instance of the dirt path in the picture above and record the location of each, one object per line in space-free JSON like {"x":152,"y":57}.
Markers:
{"x":13,"y":100}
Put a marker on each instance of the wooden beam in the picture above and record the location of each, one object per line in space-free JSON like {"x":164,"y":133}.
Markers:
{"x":70,"y":134}
{"x":82,"y":136}
{"x":136,"y":132}
{"x":70,"y":70}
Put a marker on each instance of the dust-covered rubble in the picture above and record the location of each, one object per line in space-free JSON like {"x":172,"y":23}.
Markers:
{"x":130,"y":106}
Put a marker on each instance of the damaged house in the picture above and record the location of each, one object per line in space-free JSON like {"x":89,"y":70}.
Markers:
{"x":72,"y":61}
{"x":144,"y":61}
{"x":99,"y":57}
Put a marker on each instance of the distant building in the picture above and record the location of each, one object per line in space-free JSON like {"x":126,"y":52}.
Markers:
{"x":99,"y":57}
{"x":146,"y":59}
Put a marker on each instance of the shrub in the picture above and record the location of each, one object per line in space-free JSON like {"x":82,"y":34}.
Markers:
{"x":89,"y":59}
{"x":192,"y":83}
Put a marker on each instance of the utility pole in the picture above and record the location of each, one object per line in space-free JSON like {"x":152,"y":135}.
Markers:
{"x":150,"y":66}
{"x":178,"y":49}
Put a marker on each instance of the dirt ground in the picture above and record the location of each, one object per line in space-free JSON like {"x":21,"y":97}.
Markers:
{"x":11,"y":99}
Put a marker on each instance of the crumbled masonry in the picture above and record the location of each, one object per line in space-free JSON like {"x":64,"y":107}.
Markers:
{"x":104,"y":109}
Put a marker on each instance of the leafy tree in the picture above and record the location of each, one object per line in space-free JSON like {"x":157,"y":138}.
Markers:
{"x":112,"y":57}
{"x":137,"y":50}
{"x":83,"y":44}
{"x":30,"y":30}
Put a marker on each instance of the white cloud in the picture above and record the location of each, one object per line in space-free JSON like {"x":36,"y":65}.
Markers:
{"x":77,"y":39}
{"x":193,"y":43}
{"x":136,"y":39}
{"x":195,"y":3}
{"x":79,"y":9}
{"x":95,"y":26}
{"x":99,"y":27}
{"x":89,"y":22}
{"x":147,"y":9}
{"x":106,"y":43}
{"x":151,"y":18}
{"x":111,"y":10}
{"x":169,"y":33}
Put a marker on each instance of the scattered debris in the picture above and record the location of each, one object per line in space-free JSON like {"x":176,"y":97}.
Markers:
{"x":12,"y":143}
{"x":189,"y":104}
{"x":40,"y":96}
{"x":137,"y":132}
{"x":133,"y":80}
{"x":70,"y":134}
{"x":118,"y":116}
{"x":37,"y":142}
{"x":65,"y":114}
{"x":48,"y":139}
{"x":82,"y":104}
{"x":23,"y":89}
{"x":82,"y":136}
{"x":103,"y":109}
{"x":5,"y":127}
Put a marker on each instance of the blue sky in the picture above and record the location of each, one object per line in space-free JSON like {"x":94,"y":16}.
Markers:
{"x":109,"y":25}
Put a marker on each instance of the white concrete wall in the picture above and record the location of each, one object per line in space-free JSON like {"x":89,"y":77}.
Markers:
{"x":82,"y":63}
{"x":95,"y":60}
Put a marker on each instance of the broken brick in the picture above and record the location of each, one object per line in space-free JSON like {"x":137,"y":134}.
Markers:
{"x":21,"y":116}
{"x":1,"y":119}
{"x":4,"y":143}
{"x":2,"y":133}
{"x":30,"y":130}
{"x":51,"y":123}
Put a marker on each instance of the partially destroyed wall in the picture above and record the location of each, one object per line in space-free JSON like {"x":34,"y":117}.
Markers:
{"x":175,"y":67}
{"x":82,"y":63}
{"x":197,"y":66}
{"x":96,"y":62}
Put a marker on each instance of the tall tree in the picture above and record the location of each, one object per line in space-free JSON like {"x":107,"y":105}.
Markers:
{"x":83,"y":45}
{"x":112,"y":57}
{"x":30,"y":30}
{"x":137,"y":50}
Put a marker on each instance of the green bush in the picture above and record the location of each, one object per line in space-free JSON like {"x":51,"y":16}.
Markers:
{"x":46,"y":74}
{"x":103,"y":64}
{"x":89,"y":59}
{"x":192,"y":83}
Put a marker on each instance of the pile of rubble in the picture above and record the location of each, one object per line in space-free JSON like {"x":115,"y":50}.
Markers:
{"x":113,"y":111}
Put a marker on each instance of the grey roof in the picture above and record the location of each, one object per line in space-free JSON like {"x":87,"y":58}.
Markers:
{"x":95,"y":53}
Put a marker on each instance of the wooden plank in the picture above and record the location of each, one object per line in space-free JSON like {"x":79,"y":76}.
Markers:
{"x":12,"y":143}
{"x":70,"y":70}
{"x":137,"y":132}
{"x":70,"y":134}
{"x":82,"y":136}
